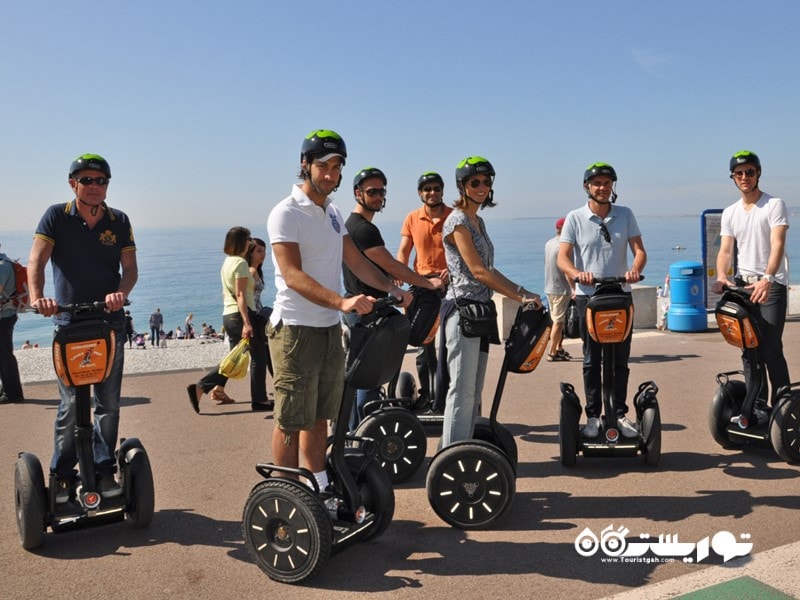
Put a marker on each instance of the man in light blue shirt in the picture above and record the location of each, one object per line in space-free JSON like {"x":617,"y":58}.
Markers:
{"x":594,"y":243}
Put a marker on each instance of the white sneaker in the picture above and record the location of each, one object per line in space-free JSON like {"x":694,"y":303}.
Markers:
{"x":626,"y":428}
{"x":592,"y":427}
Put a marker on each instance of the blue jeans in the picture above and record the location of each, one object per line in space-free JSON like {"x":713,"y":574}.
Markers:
{"x":106,"y":419}
{"x":362,"y":396}
{"x":155,"y":336}
{"x":466,"y":362}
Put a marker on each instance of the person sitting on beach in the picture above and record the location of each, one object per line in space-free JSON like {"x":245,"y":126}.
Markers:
{"x":27,"y":345}
{"x":179,"y":334}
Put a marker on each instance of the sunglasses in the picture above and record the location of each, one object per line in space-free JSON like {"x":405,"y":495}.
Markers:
{"x":375,"y":192}
{"x":93,"y":180}
{"x":745,"y":173}
{"x":477,"y":182}
{"x":604,"y":231}
{"x":432,"y":188}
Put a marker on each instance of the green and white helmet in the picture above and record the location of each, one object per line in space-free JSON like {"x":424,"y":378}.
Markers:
{"x":94,"y":162}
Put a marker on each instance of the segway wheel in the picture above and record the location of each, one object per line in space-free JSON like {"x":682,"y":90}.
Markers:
{"x":287,"y":531}
{"x":785,"y":429}
{"x":568,"y":435}
{"x":376,"y":491}
{"x":30,"y":499}
{"x":406,"y":387}
{"x":499,"y":437}
{"x":726,"y":404}
{"x":139,"y":512}
{"x":651,"y":435}
{"x":400,"y":439}
{"x":470,"y":485}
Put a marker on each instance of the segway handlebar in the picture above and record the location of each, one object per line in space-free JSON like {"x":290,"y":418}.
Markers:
{"x":386,"y":301}
{"x":82,"y":307}
{"x":602,"y":280}
{"x":738,"y":289}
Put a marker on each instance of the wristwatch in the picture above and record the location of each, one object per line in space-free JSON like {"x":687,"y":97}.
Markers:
{"x":768,"y":277}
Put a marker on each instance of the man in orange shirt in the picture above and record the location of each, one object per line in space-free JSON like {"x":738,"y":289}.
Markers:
{"x":422,"y":232}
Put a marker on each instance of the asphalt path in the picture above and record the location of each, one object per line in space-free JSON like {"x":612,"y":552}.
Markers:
{"x":204,"y":469}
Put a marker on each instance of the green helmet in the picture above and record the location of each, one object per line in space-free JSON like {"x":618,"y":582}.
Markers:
{"x":323,"y":144}
{"x":90,"y":161}
{"x":745,"y":157}
{"x":429,"y":177}
{"x":367,"y":173}
{"x":473,"y":165}
{"x":599,"y":168}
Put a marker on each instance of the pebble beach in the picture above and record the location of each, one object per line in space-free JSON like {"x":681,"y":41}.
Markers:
{"x":36,"y":364}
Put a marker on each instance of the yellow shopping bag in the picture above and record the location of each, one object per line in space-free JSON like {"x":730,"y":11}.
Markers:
{"x":236,"y":362}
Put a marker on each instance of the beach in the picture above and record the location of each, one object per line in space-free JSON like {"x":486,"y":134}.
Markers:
{"x":36,"y":364}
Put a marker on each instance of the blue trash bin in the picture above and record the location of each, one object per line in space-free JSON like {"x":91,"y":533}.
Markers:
{"x":687,"y":309}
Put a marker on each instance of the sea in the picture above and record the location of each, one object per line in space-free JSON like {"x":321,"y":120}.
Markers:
{"x":179,"y":267}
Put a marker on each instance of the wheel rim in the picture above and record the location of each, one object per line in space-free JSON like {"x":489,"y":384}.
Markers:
{"x":287,"y":531}
{"x":401,"y":441}
{"x":472,"y":489}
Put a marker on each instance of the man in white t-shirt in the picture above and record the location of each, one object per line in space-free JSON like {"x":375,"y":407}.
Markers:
{"x":754,"y":228}
{"x":309,"y":242}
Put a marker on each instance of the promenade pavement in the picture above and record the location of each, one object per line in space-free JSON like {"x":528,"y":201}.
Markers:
{"x":204,"y":469}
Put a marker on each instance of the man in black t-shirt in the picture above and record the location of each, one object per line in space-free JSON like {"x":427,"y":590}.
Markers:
{"x":369,"y":188}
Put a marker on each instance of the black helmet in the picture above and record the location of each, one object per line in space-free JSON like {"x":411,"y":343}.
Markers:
{"x":323,"y":144}
{"x":90,"y":161}
{"x":745,"y":157}
{"x":429,"y":177}
{"x":599,"y":168}
{"x":367,"y":173}
{"x":473,"y":165}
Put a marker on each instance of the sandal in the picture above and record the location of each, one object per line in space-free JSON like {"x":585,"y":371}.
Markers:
{"x":221,"y":397}
{"x":564,"y":353}
{"x":556,"y":358}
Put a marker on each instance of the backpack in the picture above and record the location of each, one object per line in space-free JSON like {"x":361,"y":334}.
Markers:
{"x":20,"y":298}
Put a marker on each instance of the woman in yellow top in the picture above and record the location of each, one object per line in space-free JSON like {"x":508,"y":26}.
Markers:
{"x":238,"y":310}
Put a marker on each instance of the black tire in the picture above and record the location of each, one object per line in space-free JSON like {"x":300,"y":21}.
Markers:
{"x":568,"y":434}
{"x":650,"y":427}
{"x":400,"y":439}
{"x":376,"y":491}
{"x":501,"y":438}
{"x":140,"y":509}
{"x":785,"y":429}
{"x":726,"y":404}
{"x":287,"y":531}
{"x":30,"y":499}
{"x":406,"y":387}
{"x":470,"y":485}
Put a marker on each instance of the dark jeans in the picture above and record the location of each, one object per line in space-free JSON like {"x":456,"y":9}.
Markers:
{"x":233,"y":325}
{"x":593,"y":368}
{"x":9,"y":370}
{"x":426,"y":369}
{"x":771,"y":317}
{"x":155,"y":336}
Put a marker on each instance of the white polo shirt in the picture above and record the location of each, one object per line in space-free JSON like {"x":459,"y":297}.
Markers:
{"x":318,"y":232}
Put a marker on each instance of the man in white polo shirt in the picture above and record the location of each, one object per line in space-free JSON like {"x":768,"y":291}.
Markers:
{"x":309,"y":243}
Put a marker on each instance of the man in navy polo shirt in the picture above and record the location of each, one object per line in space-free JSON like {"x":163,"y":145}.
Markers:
{"x":87,"y":243}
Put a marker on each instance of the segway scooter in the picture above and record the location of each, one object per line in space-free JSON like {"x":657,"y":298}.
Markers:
{"x":732,"y":417}
{"x":83,"y":354}
{"x":290,"y":526}
{"x":471,"y":484}
{"x":609,"y":320}
{"x":391,"y":421}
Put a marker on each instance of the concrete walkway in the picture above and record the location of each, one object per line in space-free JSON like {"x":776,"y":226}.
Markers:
{"x":203,"y":469}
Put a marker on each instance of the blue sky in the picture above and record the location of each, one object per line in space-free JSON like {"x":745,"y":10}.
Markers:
{"x":201,"y":106}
